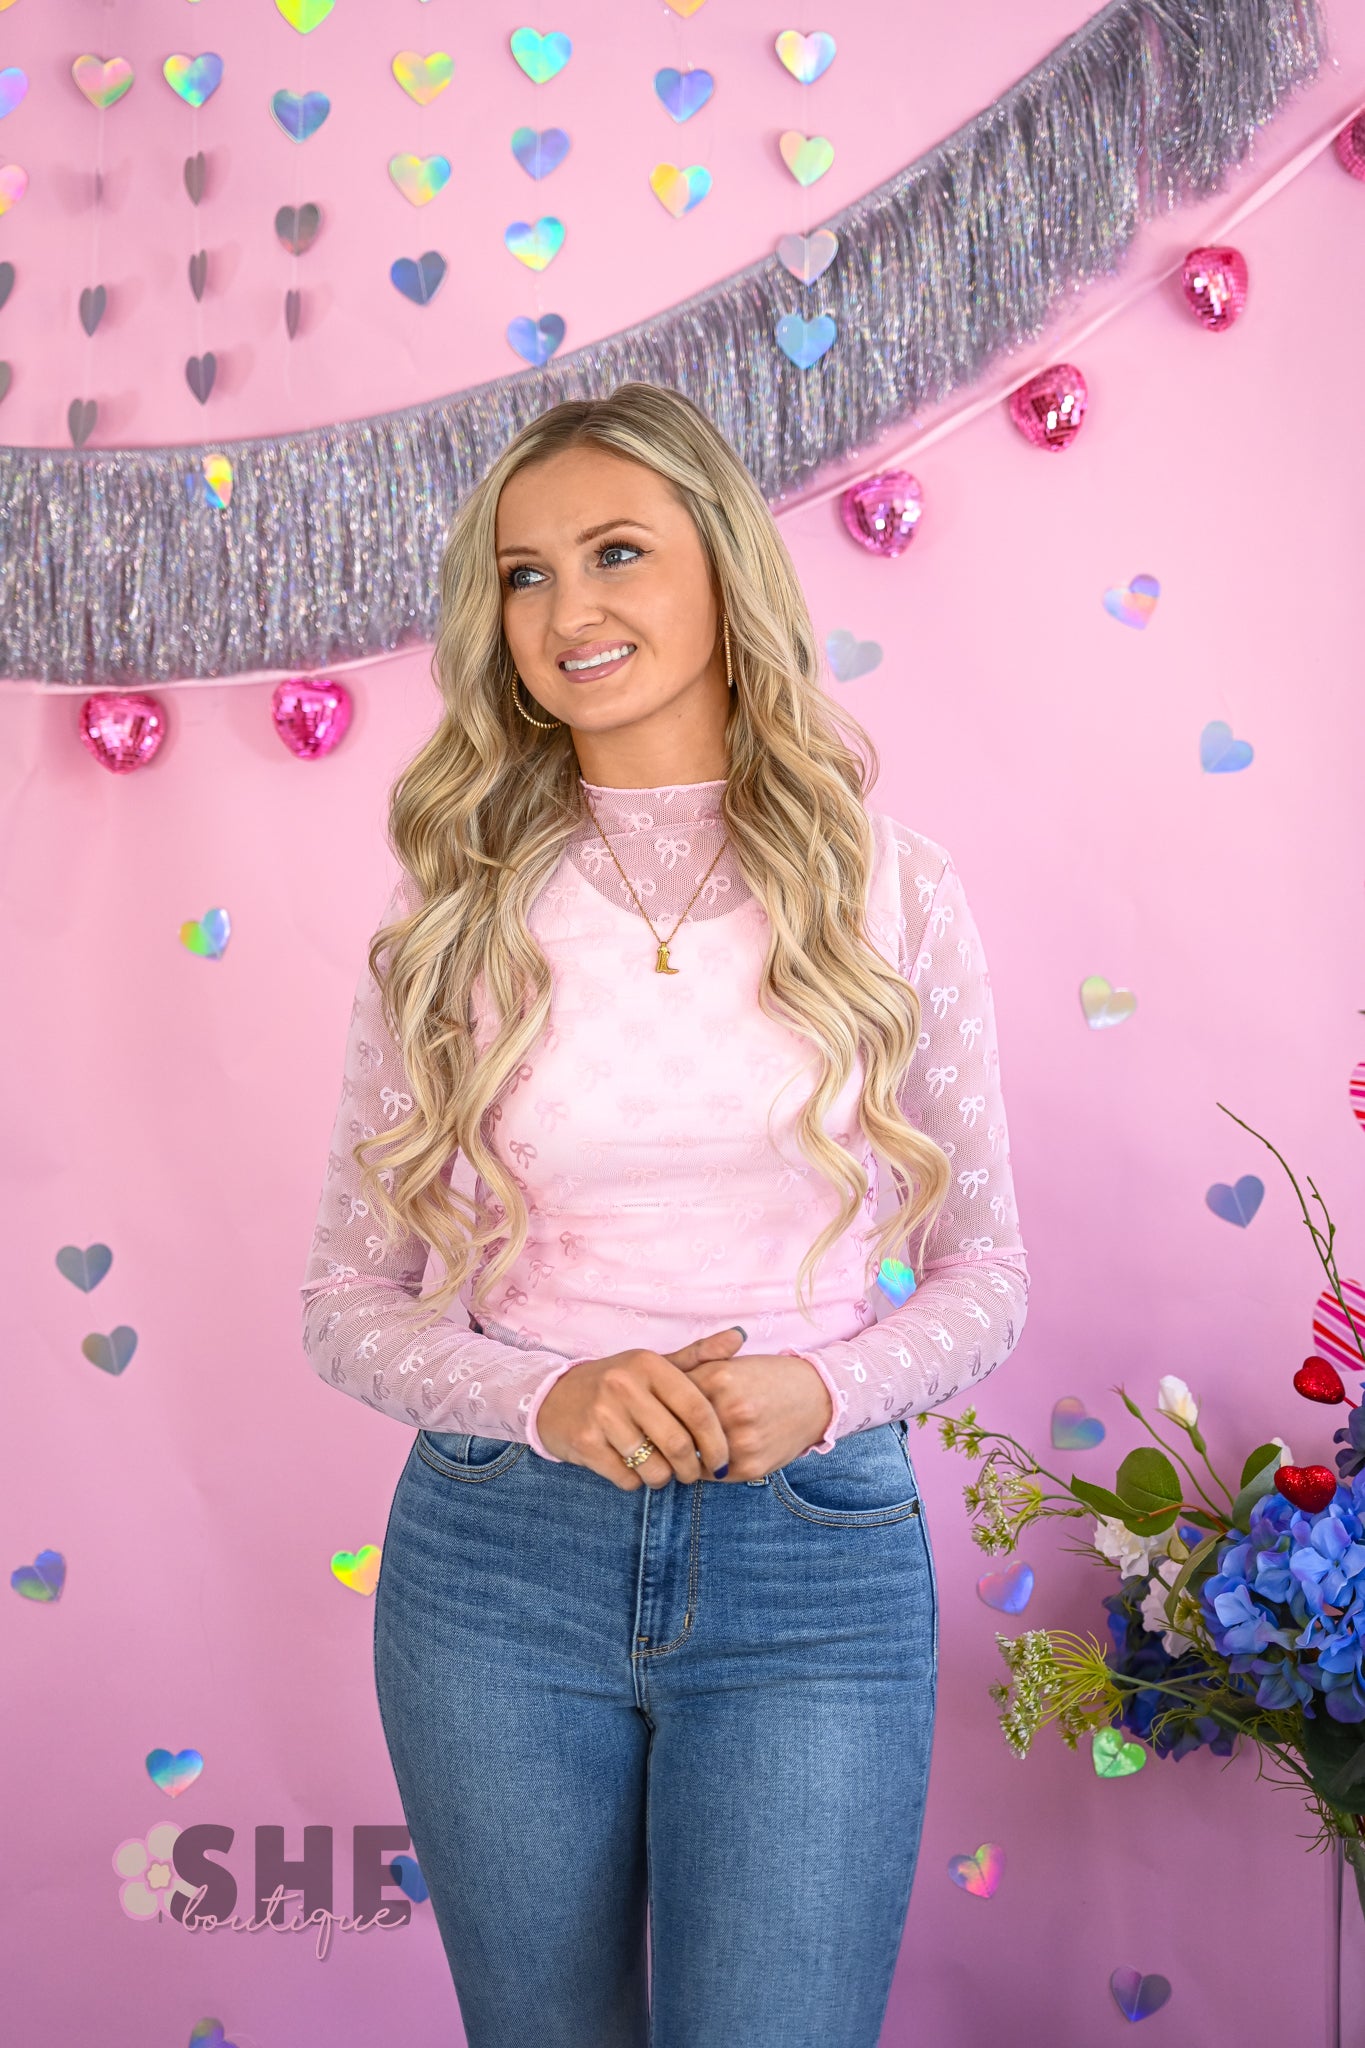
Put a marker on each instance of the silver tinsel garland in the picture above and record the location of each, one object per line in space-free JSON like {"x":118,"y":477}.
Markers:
{"x":330,"y":548}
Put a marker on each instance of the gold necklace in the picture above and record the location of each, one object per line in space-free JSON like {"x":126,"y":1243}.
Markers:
{"x":661,"y":965}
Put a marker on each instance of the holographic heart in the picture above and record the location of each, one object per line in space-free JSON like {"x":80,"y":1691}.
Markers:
{"x":1113,"y":1757}
{"x":300,"y":114}
{"x":199,"y":272}
{"x":43,"y":1579}
{"x":807,"y":157}
{"x":419,"y":178}
{"x":209,"y":2034}
{"x":849,"y":657}
{"x":536,"y":340}
{"x":13,"y":86}
{"x":1309,"y":1487}
{"x":174,"y":1774}
{"x":92,"y":305}
{"x":297,"y":226}
{"x":80,"y":419}
{"x":677,"y":190}
{"x":123,"y":729}
{"x":407,"y":1876}
{"x":102,"y":79}
{"x":805,"y":341}
{"x":1104,"y":1005}
{"x":536,"y":244}
{"x":304,"y":15}
{"x":981,"y":1873}
{"x":1133,"y":603}
{"x":196,"y":174}
{"x":1049,"y":407}
{"x":1219,"y":752}
{"x":896,"y":1280}
{"x":217,"y":474}
{"x":1072,"y":1428}
{"x":195,"y":79}
{"x":311,"y":715}
{"x":1010,"y":1590}
{"x":13,"y":185}
{"x":808,"y":256}
{"x":5,"y":374}
{"x":1350,"y":145}
{"x":1137,"y":1996}
{"x":1238,"y":1203}
{"x":293,"y":307}
{"x":423,"y":78}
{"x":806,"y":57}
{"x":1214,"y":282}
{"x":882,"y":511}
{"x":683,"y":93}
{"x":421,"y":280}
{"x":112,"y":1352}
{"x":540,"y":151}
{"x":7,"y":275}
{"x":358,"y":1569}
{"x":200,"y":372}
{"x":1333,"y":1336}
{"x":685,"y":7}
{"x":540,"y":57}
{"x":1357,"y":1088}
{"x":1317,"y":1380}
{"x":207,"y":936}
{"x":84,"y":1268}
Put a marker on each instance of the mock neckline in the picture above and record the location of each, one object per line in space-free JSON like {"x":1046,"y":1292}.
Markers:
{"x":654,"y":789}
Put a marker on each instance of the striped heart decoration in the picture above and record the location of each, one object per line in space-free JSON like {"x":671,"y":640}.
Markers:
{"x":1358,"y":1093}
{"x":1332,"y":1335}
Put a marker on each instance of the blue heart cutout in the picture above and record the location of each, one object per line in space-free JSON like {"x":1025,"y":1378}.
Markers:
{"x":300,"y":114}
{"x":540,"y":153}
{"x":1219,"y":752}
{"x":84,"y":1269}
{"x":421,"y":280}
{"x":804,"y":341}
{"x":536,"y":340}
{"x":1238,"y":1203}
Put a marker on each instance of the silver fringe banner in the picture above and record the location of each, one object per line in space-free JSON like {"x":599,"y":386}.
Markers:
{"x":329,"y":551}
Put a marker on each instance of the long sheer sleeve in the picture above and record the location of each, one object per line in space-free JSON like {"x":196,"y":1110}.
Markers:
{"x":449,"y":1376}
{"x":968,"y":1307}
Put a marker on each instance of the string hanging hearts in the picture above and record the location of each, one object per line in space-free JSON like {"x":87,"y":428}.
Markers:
{"x":1214,"y":282}
{"x":1048,"y":408}
{"x":882,"y":512}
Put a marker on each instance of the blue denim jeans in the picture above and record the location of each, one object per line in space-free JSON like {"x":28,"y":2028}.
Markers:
{"x":663,"y":1754}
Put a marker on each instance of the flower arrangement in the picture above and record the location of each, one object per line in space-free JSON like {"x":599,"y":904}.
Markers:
{"x":1240,"y":1612}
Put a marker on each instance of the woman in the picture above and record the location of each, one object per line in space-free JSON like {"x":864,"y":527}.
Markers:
{"x":661,"y":1020}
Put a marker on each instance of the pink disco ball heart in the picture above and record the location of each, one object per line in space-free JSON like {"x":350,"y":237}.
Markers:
{"x":122,"y":728}
{"x":883,"y":511}
{"x":311,"y":717}
{"x":1214,"y":282}
{"x":1350,"y":146}
{"x":1049,"y":408}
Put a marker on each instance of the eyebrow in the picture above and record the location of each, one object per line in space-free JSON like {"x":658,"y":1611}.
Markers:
{"x":588,"y":533}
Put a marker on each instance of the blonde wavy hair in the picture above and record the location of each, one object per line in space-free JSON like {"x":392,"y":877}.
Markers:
{"x":479,"y":817}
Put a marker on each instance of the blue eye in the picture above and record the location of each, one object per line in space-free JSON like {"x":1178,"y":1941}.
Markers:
{"x":613,"y":547}
{"x":620,"y":547}
{"x":520,"y":569}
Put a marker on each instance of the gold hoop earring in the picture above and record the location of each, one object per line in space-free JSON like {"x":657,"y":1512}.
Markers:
{"x":545,"y":724}
{"x":725,"y":635}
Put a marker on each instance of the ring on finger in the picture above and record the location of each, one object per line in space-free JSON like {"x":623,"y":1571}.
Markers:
{"x":643,"y":1450}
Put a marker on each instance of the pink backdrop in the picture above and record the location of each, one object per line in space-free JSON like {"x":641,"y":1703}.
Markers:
{"x":178,"y":1109}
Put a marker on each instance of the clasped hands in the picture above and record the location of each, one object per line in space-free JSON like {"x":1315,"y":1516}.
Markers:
{"x":709,"y":1413}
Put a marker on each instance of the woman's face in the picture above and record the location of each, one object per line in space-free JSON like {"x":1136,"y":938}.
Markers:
{"x":598,"y":556}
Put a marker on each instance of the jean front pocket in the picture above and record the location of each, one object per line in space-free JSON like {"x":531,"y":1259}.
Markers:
{"x":458,"y":1456}
{"x":867,"y":1480}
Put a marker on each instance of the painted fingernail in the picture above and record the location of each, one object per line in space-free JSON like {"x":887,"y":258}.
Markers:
{"x":721,"y":1470}
{"x":743,"y":1332}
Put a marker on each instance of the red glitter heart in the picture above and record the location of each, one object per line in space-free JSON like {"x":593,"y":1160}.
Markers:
{"x":1350,"y":146}
{"x":310,"y":717}
{"x":1318,"y":1380}
{"x":1309,"y":1487}
{"x":122,"y":728}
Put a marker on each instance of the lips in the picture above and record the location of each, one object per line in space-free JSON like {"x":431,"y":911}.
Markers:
{"x":587,"y":653}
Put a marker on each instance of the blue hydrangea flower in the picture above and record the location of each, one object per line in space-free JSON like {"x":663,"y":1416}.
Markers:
{"x":1286,"y":1604}
{"x":1138,"y":1653}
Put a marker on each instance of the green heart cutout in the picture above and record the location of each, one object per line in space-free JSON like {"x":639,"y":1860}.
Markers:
{"x":1113,"y":1757}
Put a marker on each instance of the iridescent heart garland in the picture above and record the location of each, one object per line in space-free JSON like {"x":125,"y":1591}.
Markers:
{"x":13,"y":185}
{"x":297,"y":115}
{"x":536,"y":243}
{"x":682,"y":90}
{"x":102,"y":82}
{"x":1135,"y":111}
{"x":805,"y":340}
{"x":195,"y":80}
{"x":421,"y":178}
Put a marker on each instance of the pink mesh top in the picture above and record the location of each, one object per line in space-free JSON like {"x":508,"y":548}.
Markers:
{"x":652,"y":1132}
